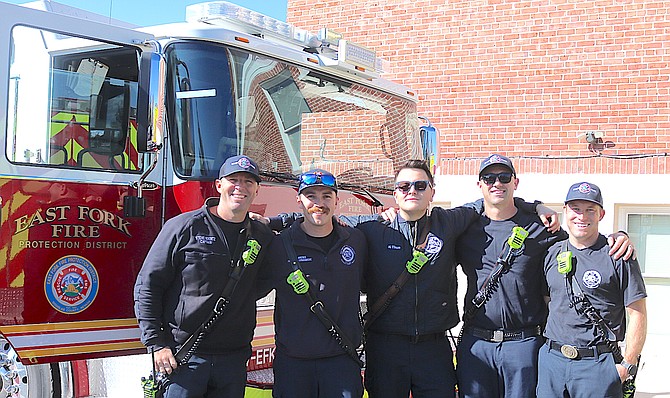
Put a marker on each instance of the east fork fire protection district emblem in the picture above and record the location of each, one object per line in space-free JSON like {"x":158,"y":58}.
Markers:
{"x":71,"y":284}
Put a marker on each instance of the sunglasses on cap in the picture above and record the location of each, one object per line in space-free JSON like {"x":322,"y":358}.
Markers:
{"x":317,"y":178}
{"x":490,"y":178}
{"x":420,"y":185}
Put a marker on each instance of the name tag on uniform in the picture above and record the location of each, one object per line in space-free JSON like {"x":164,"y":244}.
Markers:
{"x":205,"y":240}
{"x":304,"y":259}
{"x":393,"y":247}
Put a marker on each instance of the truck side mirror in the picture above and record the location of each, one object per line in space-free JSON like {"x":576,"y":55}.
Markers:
{"x":149,"y":102}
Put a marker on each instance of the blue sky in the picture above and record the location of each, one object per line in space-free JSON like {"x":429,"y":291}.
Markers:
{"x":153,"y":12}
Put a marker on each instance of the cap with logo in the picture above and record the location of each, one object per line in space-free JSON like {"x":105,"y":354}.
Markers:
{"x":237,"y":164}
{"x":317,"y":178}
{"x":585,"y":191}
{"x":496,"y":159}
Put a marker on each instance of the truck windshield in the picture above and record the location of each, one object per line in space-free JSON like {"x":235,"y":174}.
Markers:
{"x":226,"y":101}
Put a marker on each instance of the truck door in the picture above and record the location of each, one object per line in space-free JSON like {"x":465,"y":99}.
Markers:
{"x":68,"y":255}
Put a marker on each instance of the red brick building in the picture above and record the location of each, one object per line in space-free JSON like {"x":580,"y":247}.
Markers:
{"x":570,"y":90}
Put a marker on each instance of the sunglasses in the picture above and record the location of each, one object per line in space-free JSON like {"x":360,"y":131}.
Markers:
{"x":316,"y":178}
{"x":490,"y":178}
{"x":420,"y":185}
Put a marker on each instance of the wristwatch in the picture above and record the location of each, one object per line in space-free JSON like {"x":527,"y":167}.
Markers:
{"x":630,"y":368}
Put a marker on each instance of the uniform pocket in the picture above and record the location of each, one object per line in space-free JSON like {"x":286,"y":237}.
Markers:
{"x":202,"y":271}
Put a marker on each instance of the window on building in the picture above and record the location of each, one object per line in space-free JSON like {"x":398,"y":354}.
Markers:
{"x":649,"y":229}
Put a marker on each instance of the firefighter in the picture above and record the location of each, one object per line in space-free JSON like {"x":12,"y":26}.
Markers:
{"x":183,"y":276}
{"x":586,"y":286}
{"x":497,"y":353}
{"x":317,"y":261}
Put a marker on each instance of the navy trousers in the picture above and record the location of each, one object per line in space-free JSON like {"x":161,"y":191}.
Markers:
{"x":489,"y":369}
{"x":559,"y":376}
{"x":334,"y":377}
{"x":211,"y":376}
{"x":397,"y":366}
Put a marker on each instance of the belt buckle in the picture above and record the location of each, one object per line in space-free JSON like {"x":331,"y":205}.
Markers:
{"x":498,"y":336}
{"x":569,"y":351}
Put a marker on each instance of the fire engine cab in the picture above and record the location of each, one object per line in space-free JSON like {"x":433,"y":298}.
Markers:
{"x":108,"y":130}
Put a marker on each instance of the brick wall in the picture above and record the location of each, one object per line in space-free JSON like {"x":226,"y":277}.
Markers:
{"x":525,"y":78}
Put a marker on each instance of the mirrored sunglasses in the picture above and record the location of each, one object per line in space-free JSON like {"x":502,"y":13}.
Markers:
{"x":490,"y":178}
{"x":317,"y":178}
{"x":420,"y":185}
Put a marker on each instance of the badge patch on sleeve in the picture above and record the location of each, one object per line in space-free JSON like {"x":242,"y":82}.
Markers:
{"x":348,"y":255}
{"x":433,"y":244}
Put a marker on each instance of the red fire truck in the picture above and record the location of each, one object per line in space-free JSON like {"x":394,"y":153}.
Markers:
{"x":110,"y":129}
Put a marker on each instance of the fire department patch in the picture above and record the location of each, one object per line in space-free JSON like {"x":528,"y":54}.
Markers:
{"x":592,"y":279}
{"x":348,"y":254}
{"x":433,"y":244}
{"x":71,"y":284}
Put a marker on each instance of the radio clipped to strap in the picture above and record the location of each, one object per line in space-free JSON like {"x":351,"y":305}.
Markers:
{"x":250,"y":255}
{"x":564,"y":260}
{"x":516,"y":239}
{"x":298,"y":281}
{"x":419,"y":259}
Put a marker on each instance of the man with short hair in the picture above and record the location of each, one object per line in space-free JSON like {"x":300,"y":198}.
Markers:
{"x":587,"y":286}
{"x":191,"y":261}
{"x":501,"y":335}
{"x":317,"y":265}
{"x":407,"y":350}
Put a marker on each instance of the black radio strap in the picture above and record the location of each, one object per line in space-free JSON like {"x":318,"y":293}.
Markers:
{"x":380,"y":305}
{"x":583,"y":306}
{"x":503,"y":263}
{"x":187,"y":349}
{"x":317,"y":307}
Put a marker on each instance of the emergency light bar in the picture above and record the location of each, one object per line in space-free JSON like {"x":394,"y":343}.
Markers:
{"x":332,"y":50}
{"x":356,"y":55}
{"x":248,"y":21}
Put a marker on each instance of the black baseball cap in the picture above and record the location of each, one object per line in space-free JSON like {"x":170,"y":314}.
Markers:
{"x":317,"y":178}
{"x":495,"y":159}
{"x":585,"y":191}
{"x":237,"y":164}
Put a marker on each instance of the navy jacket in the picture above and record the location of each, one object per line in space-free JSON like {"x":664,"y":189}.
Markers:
{"x":335,"y":278}
{"x":183,"y":276}
{"x":427,"y":303}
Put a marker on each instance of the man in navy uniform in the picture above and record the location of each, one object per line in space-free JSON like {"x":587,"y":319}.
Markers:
{"x":183,"y":276}
{"x":577,"y":360}
{"x":309,"y":361}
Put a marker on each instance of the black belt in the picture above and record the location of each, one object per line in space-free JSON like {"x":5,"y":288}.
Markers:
{"x":573,"y":352}
{"x":420,"y":338}
{"x":498,"y":336}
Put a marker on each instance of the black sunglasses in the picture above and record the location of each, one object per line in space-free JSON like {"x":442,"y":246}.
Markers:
{"x":315,"y":178}
{"x":420,"y":185}
{"x":490,"y":178}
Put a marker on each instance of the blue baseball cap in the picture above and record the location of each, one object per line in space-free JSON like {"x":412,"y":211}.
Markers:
{"x":495,"y":159}
{"x":237,"y":164}
{"x":317,"y":178}
{"x":585,"y":191}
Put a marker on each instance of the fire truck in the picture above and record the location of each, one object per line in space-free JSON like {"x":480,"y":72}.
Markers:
{"x":110,"y":129}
